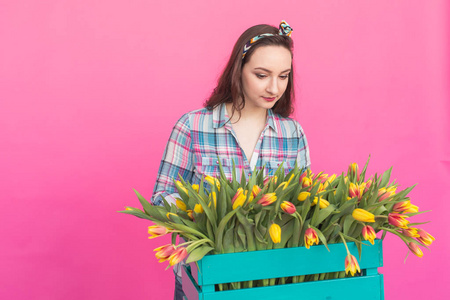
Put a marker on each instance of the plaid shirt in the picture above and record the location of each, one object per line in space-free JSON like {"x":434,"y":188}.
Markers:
{"x":201,"y":136}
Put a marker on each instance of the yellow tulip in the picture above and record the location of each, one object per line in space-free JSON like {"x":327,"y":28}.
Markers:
{"x":180,"y":204}
{"x":323,"y":203}
{"x":180,"y":187}
{"x":213,"y":181}
{"x":363,"y":215}
{"x":303,"y":195}
{"x":275,"y":233}
{"x":198,"y":208}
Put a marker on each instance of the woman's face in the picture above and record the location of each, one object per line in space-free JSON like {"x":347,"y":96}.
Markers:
{"x":265,"y":76}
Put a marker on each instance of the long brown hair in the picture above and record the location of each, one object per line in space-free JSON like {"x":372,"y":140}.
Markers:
{"x":229,"y":87}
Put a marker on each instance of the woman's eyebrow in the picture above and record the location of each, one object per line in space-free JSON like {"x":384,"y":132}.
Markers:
{"x":268,"y":71}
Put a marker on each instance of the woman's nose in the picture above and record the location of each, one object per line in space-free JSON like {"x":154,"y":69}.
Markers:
{"x":272,"y":86}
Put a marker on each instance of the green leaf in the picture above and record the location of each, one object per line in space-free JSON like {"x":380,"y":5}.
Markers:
{"x":138,"y":214}
{"x":221,"y":228}
{"x":198,"y":253}
{"x":385,"y":177}
{"x":228,"y":238}
{"x":321,"y":237}
{"x":324,"y":213}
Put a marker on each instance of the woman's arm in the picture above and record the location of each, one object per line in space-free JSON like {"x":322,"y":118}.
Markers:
{"x":178,"y":159}
{"x":303,"y":159}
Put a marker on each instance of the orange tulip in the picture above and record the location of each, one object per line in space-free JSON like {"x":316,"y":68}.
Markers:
{"x":306,"y":181}
{"x":410,"y":231}
{"x":424,"y":237}
{"x":310,"y":237}
{"x":156,"y":231}
{"x":406,"y":207}
{"x":268,"y":199}
{"x":178,"y":255}
{"x":164,"y":252}
{"x":351,"y":265}
{"x":356,"y":190}
{"x":398,"y":220}
{"x":239,"y":198}
{"x":288,"y":207}
{"x":415,"y":249}
{"x":369,"y":233}
{"x":255,"y":190}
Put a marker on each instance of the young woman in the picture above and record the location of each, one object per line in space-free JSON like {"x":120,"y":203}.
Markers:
{"x":245,"y":120}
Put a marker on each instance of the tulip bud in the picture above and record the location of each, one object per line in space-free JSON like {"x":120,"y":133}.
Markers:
{"x":190,"y":214}
{"x":288,"y":207}
{"x":180,"y":204}
{"x":169,"y":214}
{"x":212,"y":198}
{"x":213,"y":181}
{"x":424,"y":237}
{"x":415,"y":249}
{"x":351,"y":265}
{"x":164,"y":252}
{"x":306,"y":181}
{"x":354,"y":170}
{"x":255,"y":190}
{"x":289,"y":181}
{"x":369,"y":233}
{"x":356,"y":190}
{"x":267,"y":199}
{"x":323,"y":203}
{"x":156,"y":231}
{"x":410,"y":231}
{"x":398,"y":220}
{"x":303,"y":195}
{"x":405,"y":206}
{"x":363,"y":215}
{"x":239,"y":198}
{"x":195,"y":187}
{"x":178,"y":255}
{"x":180,"y":187}
{"x":368,"y":184}
{"x":198,"y":208}
{"x":310,"y":237}
{"x":275,"y":233}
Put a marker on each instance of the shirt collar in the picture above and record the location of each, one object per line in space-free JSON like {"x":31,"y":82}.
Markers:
{"x":220,"y":117}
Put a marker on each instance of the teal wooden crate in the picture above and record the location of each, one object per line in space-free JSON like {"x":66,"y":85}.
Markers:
{"x":199,"y":283}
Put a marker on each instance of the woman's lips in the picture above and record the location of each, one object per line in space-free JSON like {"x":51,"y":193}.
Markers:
{"x":269,"y":99}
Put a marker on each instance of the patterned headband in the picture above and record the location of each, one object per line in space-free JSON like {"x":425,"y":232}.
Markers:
{"x":283,"y":29}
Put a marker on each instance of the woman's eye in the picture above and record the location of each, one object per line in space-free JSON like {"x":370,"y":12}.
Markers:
{"x":261,"y":76}
{"x":283,"y":77}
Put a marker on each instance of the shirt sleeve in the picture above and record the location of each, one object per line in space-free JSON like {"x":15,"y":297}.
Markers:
{"x":303,"y":158}
{"x":178,"y":159}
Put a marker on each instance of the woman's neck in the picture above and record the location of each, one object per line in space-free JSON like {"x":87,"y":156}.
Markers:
{"x":248,"y":114}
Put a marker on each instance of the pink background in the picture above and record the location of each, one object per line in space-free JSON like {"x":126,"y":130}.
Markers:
{"x":90,"y":90}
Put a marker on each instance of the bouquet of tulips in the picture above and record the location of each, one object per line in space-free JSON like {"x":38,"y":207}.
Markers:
{"x":289,"y":209}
